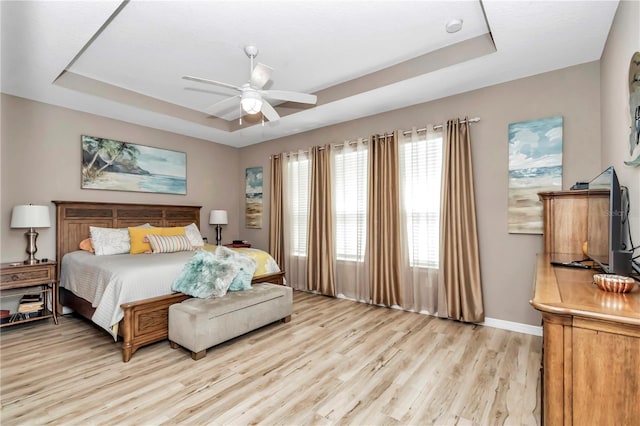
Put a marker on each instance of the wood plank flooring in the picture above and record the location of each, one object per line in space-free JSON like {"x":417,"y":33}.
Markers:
{"x":336,"y":362}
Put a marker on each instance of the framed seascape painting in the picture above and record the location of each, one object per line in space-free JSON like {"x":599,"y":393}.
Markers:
{"x":122,"y":166}
{"x":253,"y":197}
{"x":535,"y":165}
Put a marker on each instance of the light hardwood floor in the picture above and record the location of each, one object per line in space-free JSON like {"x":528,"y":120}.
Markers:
{"x":336,"y":362}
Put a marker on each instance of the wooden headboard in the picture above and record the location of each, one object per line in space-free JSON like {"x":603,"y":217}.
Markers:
{"x":73,"y":219}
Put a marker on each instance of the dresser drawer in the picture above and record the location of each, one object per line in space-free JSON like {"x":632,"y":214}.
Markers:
{"x":26,"y":275}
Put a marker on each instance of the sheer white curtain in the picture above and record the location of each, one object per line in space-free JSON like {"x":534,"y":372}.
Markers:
{"x":420,"y":189}
{"x":296,"y":181}
{"x":350,"y":186}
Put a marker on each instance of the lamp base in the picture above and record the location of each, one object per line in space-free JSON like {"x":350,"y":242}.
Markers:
{"x":218,"y":234}
{"x":32,"y":236}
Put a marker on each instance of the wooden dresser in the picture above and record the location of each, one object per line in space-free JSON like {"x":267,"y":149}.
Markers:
{"x":591,"y":338}
{"x":591,"y":357}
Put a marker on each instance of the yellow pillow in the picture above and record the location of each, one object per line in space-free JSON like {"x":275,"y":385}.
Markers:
{"x":139,"y":244}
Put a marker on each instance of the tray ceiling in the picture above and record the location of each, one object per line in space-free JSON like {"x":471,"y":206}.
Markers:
{"x":124,"y":60}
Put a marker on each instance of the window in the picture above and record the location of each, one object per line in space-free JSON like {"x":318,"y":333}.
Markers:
{"x":298,"y":204}
{"x":420,"y":174}
{"x":350,"y":169}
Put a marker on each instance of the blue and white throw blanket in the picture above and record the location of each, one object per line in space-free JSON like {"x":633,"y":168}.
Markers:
{"x":212,"y":274}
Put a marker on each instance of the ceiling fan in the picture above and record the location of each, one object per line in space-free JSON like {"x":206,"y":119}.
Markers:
{"x":252,"y":96}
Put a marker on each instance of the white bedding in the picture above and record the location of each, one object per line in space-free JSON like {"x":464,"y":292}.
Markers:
{"x":109,"y":281}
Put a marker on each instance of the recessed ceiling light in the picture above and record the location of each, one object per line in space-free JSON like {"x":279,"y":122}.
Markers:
{"x":454,"y":25}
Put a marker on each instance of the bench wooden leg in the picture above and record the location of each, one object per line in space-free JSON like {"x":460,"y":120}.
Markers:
{"x":198,"y":355}
{"x":173,"y":345}
{"x":286,"y":319}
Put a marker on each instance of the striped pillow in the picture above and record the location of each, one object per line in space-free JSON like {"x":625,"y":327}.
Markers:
{"x":169,"y":243}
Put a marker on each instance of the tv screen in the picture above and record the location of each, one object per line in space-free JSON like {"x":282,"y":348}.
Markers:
{"x":606,"y":239}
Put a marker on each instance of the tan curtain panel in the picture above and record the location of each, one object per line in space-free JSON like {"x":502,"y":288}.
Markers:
{"x":384,"y":221}
{"x":320,"y":257}
{"x":276,"y":207}
{"x":460,"y":262}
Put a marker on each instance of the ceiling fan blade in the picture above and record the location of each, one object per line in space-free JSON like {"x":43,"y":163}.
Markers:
{"x":224,"y":106}
{"x":269,"y":112}
{"x":260,"y":75}
{"x":216,"y":83}
{"x":285,"y":95}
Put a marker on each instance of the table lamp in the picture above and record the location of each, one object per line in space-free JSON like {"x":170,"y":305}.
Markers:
{"x":30,"y":216}
{"x":218,"y":217}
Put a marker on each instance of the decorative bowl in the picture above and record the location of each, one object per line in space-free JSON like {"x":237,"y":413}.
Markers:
{"x":614,"y":283}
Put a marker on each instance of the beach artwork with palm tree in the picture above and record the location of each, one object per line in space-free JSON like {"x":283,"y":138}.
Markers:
{"x":123,"y":166}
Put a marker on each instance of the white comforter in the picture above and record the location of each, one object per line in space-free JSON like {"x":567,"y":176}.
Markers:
{"x":109,"y":281}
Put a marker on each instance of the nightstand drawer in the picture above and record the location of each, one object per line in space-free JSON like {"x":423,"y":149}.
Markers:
{"x":26,"y":275}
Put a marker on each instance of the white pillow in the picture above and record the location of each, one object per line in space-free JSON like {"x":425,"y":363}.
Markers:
{"x":106,"y":241}
{"x":193,"y":234}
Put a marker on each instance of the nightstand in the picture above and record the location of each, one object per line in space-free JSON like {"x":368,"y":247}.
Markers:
{"x":20,"y":280}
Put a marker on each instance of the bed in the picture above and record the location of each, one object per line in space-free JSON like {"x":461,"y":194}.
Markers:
{"x":144,"y":321}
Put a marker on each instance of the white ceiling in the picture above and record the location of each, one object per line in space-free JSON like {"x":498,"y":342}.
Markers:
{"x":124,"y":60}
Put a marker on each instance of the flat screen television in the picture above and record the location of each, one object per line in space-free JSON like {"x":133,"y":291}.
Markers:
{"x":606,"y":224}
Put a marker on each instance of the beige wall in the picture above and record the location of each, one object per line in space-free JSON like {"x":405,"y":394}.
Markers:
{"x":507,"y":260}
{"x":40,"y":159}
{"x":41,"y":155}
{"x":623,"y":41}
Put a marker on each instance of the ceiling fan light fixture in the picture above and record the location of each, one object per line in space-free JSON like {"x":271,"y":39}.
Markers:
{"x":251,"y":102}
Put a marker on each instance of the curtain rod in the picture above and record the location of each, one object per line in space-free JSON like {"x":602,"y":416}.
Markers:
{"x":440,"y":126}
{"x":385,"y":135}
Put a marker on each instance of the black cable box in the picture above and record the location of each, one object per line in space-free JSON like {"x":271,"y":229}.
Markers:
{"x":580,"y":185}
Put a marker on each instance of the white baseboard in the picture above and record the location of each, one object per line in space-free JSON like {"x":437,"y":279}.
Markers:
{"x":488,"y":322}
{"x":535,"y":330}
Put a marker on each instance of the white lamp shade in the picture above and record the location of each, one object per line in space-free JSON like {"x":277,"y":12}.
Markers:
{"x":30,"y":217}
{"x":251,"y":102}
{"x":218,"y":217}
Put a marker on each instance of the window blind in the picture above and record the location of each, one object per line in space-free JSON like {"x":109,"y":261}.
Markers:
{"x":298,"y":203}
{"x":420,"y":173}
{"x":350,"y":203}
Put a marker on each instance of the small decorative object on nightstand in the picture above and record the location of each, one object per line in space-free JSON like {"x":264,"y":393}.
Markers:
{"x":218,"y":217}
{"x":36,"y":287}
{"x":30,"y":216}
{"x":239,"y":244}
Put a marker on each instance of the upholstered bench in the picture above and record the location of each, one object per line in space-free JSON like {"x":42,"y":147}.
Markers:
{"x":198,"y":324}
